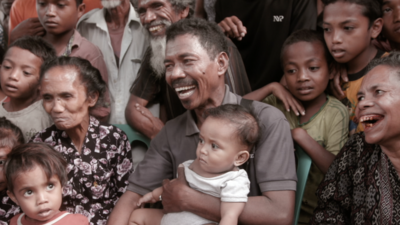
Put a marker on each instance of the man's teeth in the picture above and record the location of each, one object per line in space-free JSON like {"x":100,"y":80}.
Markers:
{"x":184,"y":88}
{"x":156,"y":28}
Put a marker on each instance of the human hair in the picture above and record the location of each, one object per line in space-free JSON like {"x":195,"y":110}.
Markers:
{"x":247,"y":128}
{"x":10,"y":134}
{"x":78,"y":2}
{"x":89,"y":75}
{"x":305,"y":35}
{"x":37,"y":46}
{"x":371,"y":8}
{"x":392,"y":60}
{"x":208,"y":33}
{"x":180,"y":5}
{"x":26,"y":157}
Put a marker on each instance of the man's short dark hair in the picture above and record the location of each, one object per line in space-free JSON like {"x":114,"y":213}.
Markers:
{"x":180,"y":5}
{"x":25,"y":157}
{"x":10,"y":134}
{"x":208,"y":33}
{"x":89,"y":75}
{"x":371,"y":8}
{"x":309,"y":36}
{"x":392,"y":60}
{"x":37,"y":46}
{"x":247,"y":128}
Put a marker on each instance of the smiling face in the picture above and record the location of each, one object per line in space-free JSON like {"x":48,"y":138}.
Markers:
{"x":3,"y":156}
{"x":65,"y":98}
{"x":391,"y":22}
{"x":20,"y":73}
{"x":39,"y":198}
{"x":379,"y":104}
{"x":306,"y":70}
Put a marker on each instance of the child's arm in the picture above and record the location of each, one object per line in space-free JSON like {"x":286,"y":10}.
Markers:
{"x":230,"y":212}
{"x":151,"y":197}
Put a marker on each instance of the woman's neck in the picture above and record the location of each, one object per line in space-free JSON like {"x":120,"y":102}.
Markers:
{"x":78,"y":133}
{"x":59,"y":41}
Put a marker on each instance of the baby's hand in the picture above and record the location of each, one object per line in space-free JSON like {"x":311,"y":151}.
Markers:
{"x":147,"y":198}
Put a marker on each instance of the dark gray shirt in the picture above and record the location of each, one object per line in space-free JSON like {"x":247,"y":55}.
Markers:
{"x":177,"y":142}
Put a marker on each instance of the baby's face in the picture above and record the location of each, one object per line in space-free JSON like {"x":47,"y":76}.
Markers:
{"x":218,"y":147}
{"x":3,"y":156}
{"x":39,"y":198}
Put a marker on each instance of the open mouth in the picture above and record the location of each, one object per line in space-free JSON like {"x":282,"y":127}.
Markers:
{"x":185,"y":91}
{"x":370,"y":121}
{"x":11,"y":88}
{"x":337,"y":53}
{"x":305,"y":90}
{"x":44,"y":213}
{"x":156,"y":29}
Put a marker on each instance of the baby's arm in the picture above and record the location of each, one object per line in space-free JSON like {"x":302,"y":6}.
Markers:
{"x":230,"y":212}
{"x":151,"y":197}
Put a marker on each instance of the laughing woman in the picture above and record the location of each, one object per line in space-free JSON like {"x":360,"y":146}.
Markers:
{"x":98,"y":155}
{"x":362,"y":186}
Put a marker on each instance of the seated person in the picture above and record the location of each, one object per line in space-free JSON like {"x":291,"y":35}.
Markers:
{"x":19,"y":73}
{"x":362,"y":185}
{"x":196,"y":57}
{"x":10,"y":136}
{"x":36,"y":174}
{"x":323,"y":129}
{"x":59,"y":23}
{"x":228,"y":134}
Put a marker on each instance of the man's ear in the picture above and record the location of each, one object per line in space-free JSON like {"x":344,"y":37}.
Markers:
{"x":241,"y":157}
{"x":184,"y":13}
{"x":92,"y":99}
{"x":376,"y":28}
{"x":81,"y":10}
{"x":223,"y":63}
{"x":12,"y":196}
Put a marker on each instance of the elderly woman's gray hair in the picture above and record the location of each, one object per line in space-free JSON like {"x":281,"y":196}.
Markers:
{"x":392,"y":60}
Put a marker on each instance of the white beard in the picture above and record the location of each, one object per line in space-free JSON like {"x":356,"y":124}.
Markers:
{"x":110,"y":4}
{"x":158,"y":55}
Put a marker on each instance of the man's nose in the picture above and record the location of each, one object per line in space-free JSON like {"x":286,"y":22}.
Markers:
{"x":51,"y":9}
{"x":149,"y":16}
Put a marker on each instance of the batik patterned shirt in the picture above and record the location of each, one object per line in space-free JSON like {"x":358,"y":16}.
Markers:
{"x":360,"y":187}
{"x":97,"y":176}
{"x":8,"y":209}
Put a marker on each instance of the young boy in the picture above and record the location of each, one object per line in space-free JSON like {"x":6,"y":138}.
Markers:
{"x":59,"y":18}
{"x":349,"y":27}
{"x":19,"y":73}
{"x":226,"y":137}
{"x":390,"y":10}
{"x":35,"y":174}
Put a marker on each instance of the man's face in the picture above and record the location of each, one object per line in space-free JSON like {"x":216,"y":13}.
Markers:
{"x":157,"y":15}
{"x":391,"y":21}
{"x":190,"y":71}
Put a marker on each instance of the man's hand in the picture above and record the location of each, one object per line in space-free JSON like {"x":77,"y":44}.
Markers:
{"x":233,"y":27}
{"x":157,"y":123}
{"x":175,"y":192}
{"x":338,"y":73}
{"x":31,"y":27}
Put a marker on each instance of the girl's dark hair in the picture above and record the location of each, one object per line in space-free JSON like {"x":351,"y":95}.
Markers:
{"x":89,"y":75}
{"x":10,"y":134}
{"x":26,"y":157}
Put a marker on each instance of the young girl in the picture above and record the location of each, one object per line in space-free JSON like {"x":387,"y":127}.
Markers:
{"x":226,"y":137}
{"x":35,"y":174}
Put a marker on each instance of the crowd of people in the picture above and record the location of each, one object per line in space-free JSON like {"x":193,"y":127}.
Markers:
{"x":224,"y":89}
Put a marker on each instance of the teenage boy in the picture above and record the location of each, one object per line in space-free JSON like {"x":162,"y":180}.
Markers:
{"x":349,"y":26}
{"x":59,"y":18}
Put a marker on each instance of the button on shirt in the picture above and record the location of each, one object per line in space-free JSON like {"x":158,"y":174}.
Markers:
{"x":93,"y":27}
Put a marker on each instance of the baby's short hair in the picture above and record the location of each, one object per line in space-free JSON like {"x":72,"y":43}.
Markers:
{"x":26,"y":157}
{"x":247,"y":127}
{"x":10,"y":134}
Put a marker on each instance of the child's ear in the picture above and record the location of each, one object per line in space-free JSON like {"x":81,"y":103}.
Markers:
{"x":241,"y":157}
{"x":223,"y":63}
{"x":92,"y":99}
{"x":12,"y":196}
{"x":376,"y":28}
{"x":81,"y":10}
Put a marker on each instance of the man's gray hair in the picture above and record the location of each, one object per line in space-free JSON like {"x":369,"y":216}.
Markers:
{"x":180,"y":5}
{"x":392,"y":60}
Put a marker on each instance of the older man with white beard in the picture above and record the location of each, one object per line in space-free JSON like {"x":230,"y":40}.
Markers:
{"x":117,"y":31}
{"x":150,"y":86}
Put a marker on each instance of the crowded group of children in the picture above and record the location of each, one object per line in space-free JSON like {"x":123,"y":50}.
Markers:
{"x":353,"y":33}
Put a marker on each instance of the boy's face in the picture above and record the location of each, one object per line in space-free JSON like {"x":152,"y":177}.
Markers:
{"x":59,"y":16}
{"x":306,"y":70}
{"x":218,"y":148}
{"x":391,"y":20}
{"x":39,"y":198}
{"x":3,"y":156}
{"x":20,"y":73}
{"x":346,"y":31}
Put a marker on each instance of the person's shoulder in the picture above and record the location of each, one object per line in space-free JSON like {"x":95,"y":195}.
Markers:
{"x":77,"y":219}
{"x":44,"y":135}
{"x":357,"y":149}
{"x":268,"y":112}
{"x":88,"y":17}
{"x":334,"y":106}
{"x":14,"y":220}
{"x":87,"y":49}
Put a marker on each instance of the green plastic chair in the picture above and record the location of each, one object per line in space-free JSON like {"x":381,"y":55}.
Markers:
{"x":303,"y":168}
{"x":132,"y":134}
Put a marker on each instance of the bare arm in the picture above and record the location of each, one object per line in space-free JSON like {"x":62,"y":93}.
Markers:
{"x":140,"y":118}
{"x":151,"y":197}
{"x":124,"y":208}
{"x":230,"y":212}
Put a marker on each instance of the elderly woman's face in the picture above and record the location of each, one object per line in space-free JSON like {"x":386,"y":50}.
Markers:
{"x":65,"y":97}
{"x":379,"y":105}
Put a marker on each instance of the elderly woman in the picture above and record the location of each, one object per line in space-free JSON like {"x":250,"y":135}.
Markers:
{"x":362,"y":186}
{"x":98,"y":155}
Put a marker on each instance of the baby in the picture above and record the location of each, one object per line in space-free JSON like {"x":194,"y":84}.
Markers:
{"x":35,"y":174}
{"x":226,"y":137}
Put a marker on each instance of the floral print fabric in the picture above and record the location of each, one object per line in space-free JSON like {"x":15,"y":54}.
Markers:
{"x":99,"y":175}
{"x":8,"y":209}
{"x":360,"y":187}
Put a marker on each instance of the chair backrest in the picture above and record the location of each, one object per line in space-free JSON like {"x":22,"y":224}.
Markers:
{"x":132,"y":134}
{"x":303,"y":168}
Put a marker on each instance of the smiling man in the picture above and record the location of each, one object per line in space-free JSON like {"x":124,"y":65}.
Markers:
{"x":196,"y":62}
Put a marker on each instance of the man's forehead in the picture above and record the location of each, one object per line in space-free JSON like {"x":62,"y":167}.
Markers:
{"x":142,"y":3}
{"x":184,"y":42}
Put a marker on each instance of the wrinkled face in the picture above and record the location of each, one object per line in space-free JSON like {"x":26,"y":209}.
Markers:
{"x":346,"y":31}
{"x":379,"y":104}
{"x":391,"y":20}
{"x":190,"y":71}
{"x":218,"y":146}
{"x":65,"y":98}
{"x":3,"y":156}
{"x":157,"y":15}
{"x":39,"y":197}
{"x":59,"y":16}
{"x":20,"y":73}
